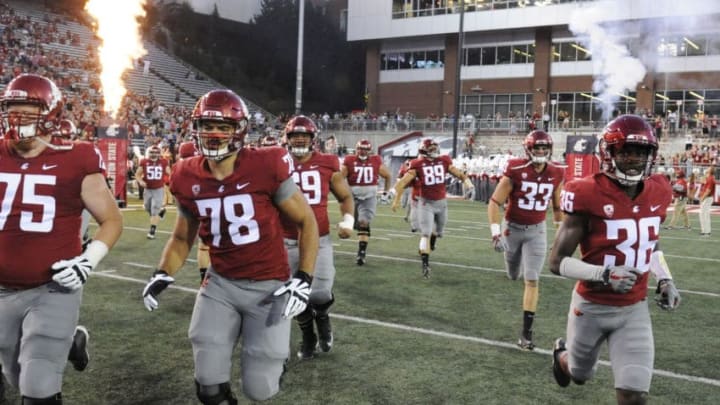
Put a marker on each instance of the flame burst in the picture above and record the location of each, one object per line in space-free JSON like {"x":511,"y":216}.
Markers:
{"x":118,"y":28}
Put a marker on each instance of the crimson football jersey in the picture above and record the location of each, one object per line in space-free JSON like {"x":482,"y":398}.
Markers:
{"x":532,"y":191}
{"x":431,"y":175}
{"x":40,"y":212}
{"x":623,"y":231}
{"x":363,"y":172}
{"x":313,"y":178}
{"x":238,"y":220}
{"x":153,"y":172}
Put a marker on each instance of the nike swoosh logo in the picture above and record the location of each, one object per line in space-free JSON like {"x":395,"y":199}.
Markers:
{"x":314,"y":166}
{"x":242,"y":186}
{"x":48,"y":167}
{"x":654,"y":208}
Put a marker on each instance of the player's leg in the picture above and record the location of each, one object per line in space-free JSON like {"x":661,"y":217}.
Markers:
{"x":533,"y":259}
{"x":414,"y":220}
{"x":440,"y":211}
{"x":79,"y":356}
{"x":47,"y":333}
{"x":514,"y":237}
{"x":631,"y":350}
{"x":214,"y":330}
{"x":13,"y":305}
{"x":305,"y":320}
{"x":426,"y":219}
{"x":155,"y":198}
{"x":266,"y":341}
{"x":577,"y":359}
{"x":322,"y":297}
{"x":365,"y":213}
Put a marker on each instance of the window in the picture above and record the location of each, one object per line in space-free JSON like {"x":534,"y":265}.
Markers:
{"x":473,"y":57}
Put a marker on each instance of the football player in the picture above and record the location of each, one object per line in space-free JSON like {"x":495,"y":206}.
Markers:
{"x":614,"y":216}
{"x":47,"y":185}
{"x":317,"y":175}
{"x":680,"y":194}
{"x":529,"y":185}
{"x":234,"y":197}
{"x":430,"y":169}
{"x":362,"y":171}
{"x":150,"y":176}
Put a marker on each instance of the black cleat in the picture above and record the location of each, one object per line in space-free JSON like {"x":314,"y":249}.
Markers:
{"x":79,"y":356}
{"x":308,"y":345}
{"x":525,"y":341}
{"x":162,"y":212}
{"x":426,"y":270}
{"x":360,"y":260}
{"x":324,"y":332}
{"x":561,"y":377}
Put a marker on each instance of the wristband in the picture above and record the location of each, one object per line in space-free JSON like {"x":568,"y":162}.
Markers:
{"x":304,"y":276}
{"x":495,"y":229}
{"x":348,"y":222}
{"x":95,"y":252}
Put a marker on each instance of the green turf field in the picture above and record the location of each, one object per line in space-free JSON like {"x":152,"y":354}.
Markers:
{"x":399,"y":339}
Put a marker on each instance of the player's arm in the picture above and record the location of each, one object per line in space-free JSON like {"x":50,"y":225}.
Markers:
{"x":557,"y":212}
{"x":501,"y":193}
{"x":384,"y":172}
{"x":344,"y":170}
{"x":96,"y":197}
{"x":668,"y":296}
{"x":462,"y":176}
{"x":140,"y":176}
{"x":341,"y":190}
{"x":400,"y":186}
{"x":176,"y":250}
{"x":168,"y":169}
{"x":574,"y":228}
{"x":295,"y":208}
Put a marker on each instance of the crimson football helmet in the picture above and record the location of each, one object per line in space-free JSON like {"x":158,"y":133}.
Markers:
{"x":297,"y":131}
{"x":34,"y":91}
{"x":186,"y":150}
{"x":429,"y":148}
{"x":66,"y":129}
{"x":153,"y":153}
{"x":628,"y":149}
{"x":536,"y":139}
{"x":363,"y":148}
{"x":269,"y":140}
{"x":219,"y":107}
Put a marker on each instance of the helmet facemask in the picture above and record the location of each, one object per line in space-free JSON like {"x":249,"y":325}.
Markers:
{"x":540,"y":153}
{"x":300,"y":143}
{"x":23,"y":121}
{"x":631,"y":164}
{"x":217,"y":139}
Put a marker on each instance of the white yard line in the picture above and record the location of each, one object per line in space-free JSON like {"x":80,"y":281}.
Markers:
{"x":431,"y":332}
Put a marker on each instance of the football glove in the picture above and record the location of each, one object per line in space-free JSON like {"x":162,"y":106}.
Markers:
{"x":499,"y":243}
{"x":620,"y":278}
{"x":668,"y":297}
{"x":298,"y":289}
{"x":159,"y":281}
{"x":73,"y":273}
{"x":385,"y":198}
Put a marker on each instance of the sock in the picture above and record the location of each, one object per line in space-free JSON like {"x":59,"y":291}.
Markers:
{"x":362,"y":247}
{"x":152,"y":229}
{"x":425,"y":259}
{"x":528,"y":318}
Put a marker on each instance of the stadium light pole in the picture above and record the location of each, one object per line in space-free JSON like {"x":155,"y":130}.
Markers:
{"x":461,"y":39}
{"x":299,"y":70}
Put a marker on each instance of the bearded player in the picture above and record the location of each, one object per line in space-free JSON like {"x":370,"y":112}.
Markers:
{"x":234,"y":197}
{"x":46,"y":183}
{"x":530,"y":186}
{"x":614,"y":216}
{"x":317,"y":175}
{"x":362,"y":171}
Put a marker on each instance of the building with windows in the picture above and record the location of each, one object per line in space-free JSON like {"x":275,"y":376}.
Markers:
{"x":529,"y":57}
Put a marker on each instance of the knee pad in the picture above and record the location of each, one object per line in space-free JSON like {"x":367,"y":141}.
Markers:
{"x":323,"y":309}
{"x":215,"y":394}
{"x":51,"y":400}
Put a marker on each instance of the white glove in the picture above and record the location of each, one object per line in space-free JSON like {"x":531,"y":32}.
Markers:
{"x":299,"y":290}
{"x":348,"y":222}
{"x":499,"y":243}
{"x":73,"y":273}
{"x":159,"y":281}
{"x":668,"y":297}
{"x":620,"y":278}
{"x":385,"y":199}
